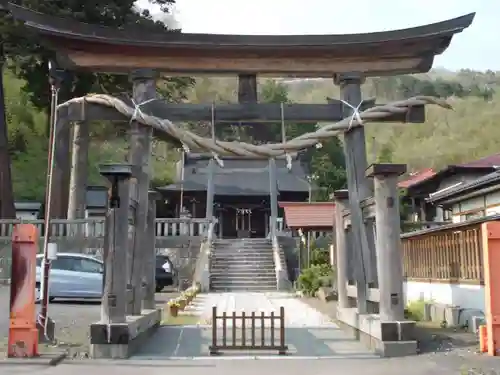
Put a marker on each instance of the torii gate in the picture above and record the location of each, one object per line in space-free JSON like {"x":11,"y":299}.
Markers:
{"x":348,"y":59}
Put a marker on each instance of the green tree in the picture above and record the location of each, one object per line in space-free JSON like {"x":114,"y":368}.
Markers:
{"x":29,"y":57}
{"x":385,"y":155}
{"x":27,"y":143}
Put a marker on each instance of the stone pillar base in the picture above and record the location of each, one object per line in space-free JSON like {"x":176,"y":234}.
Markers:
{"x":387,"y":339}
{"x":121,"y":340}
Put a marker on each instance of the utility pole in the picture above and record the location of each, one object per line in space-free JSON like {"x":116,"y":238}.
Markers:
{"x":44,"y":324}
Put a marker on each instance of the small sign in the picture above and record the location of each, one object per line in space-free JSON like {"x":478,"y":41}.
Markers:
{"x":394,"y":298}
{"x":112,"y":300}
{"x":51,"y":251}
{"x":390,"y":202}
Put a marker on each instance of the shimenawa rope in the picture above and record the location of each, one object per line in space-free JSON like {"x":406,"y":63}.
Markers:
{"x":193,"y":141}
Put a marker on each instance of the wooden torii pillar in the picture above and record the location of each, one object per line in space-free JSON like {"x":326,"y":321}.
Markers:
{"x":141,"y":137}
{"x":359,"y":188}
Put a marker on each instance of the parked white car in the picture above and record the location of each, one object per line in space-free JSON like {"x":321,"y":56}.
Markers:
{"x":72,"y":275}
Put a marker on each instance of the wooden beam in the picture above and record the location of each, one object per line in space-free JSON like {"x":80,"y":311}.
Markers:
{"x":238,"y":112}
{"x":272,"y":66}
{"x":115,"y":50}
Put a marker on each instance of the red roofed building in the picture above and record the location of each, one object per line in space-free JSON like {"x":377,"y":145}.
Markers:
{"x":416,"y":177}
{"x":315,"y":216}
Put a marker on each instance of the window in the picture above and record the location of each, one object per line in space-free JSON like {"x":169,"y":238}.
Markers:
{"x":62,"y":263}
{"x":474,"y":215}
{"x":447,"y":214}
{"x":87,"y":265}
{"x":77,"y":264}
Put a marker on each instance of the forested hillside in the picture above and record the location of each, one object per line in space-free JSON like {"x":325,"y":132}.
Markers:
{"x":470,"y":131}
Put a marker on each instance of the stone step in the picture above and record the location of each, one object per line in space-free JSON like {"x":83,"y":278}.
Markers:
{"x":245,"y":245}
{"x":242,"y":240}
{"x":242,"y":256}
{"x":239,"y":276}
{"x":245,"y":279}
{"x":258,"y":262}
{"x":236,"y":251}
{"x":242,"y":249}
{"x":243,"y":271}
{"x":238,"y":260}
{"x":240,"y":265}
{"x":243,"y":252}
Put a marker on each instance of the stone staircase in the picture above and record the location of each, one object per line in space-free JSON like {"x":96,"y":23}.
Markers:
{"x":245,"y":264}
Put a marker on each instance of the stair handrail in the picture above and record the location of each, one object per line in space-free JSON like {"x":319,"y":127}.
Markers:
{"x":202,"y":269}
{"x":282,"y":281}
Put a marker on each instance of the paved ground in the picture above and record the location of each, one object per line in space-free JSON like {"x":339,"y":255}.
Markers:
{"x":416,"y":365}
{"x":72,"y":320}
{"x":444,"y":360}
{"x":308,"y":332}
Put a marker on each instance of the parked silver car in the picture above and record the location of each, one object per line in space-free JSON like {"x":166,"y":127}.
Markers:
{"x":72,"y":276}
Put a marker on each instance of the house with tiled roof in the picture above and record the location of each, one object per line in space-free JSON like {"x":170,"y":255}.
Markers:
{"x":426,"y":189}
{"x":470,"y":200}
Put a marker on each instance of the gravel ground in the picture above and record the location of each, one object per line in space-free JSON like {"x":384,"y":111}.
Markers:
{"x":72,"y":320}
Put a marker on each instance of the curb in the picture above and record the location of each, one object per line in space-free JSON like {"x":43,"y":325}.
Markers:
{"x":44,"y":359}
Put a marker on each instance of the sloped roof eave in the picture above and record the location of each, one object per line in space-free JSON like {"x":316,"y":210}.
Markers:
{"x":309,"y":215}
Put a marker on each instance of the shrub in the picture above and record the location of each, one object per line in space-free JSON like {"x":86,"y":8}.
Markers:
{"x":320,"y":256}
{"x":173,"y":302}
{"x":415,"y":310}
{"x":315,"y":277}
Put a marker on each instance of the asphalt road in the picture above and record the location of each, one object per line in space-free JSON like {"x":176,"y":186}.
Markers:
{"x":72,"y":319}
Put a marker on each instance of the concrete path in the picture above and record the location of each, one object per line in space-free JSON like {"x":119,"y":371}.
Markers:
{"x":455,"y":362}
{"x":407,"y":366}
{"x":308,"y":333}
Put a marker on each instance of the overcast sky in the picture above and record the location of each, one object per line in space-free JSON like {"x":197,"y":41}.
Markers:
{"x":478,"y":47}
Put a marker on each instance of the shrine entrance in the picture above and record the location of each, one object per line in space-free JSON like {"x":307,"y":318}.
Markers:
{"x":243,"y":220}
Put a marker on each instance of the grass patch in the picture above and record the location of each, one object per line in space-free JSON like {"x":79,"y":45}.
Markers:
{"x":181,"y":320}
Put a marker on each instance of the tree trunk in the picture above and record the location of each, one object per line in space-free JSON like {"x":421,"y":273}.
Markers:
{"x":79,"y":171}
{"x":7,"y":208}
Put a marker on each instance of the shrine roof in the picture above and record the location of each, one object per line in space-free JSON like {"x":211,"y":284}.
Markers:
{"x":241,"y":177}
{"x":100,"y":48}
